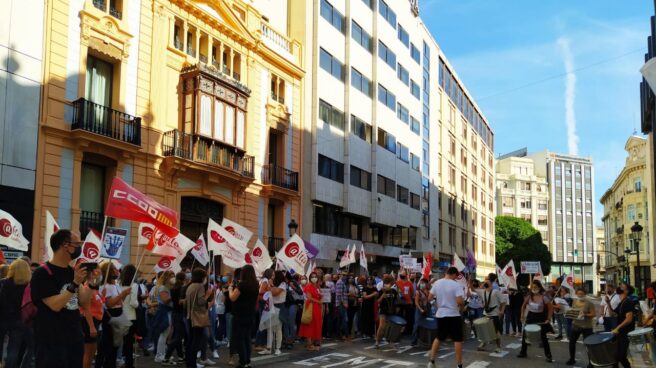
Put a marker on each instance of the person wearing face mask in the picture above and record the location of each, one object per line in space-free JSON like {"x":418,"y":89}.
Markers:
{"x":474,"y":305}
{"x":422,"y":309}
{"x":626,"y":323}
{"x":582,"y":325}
{"x":369,"y":295}
{"x":353,"y":305}
{"x":493,"y":307}
{"x":162,"y":320}
{"x":540,"y":311}
{"x":312,"y":331}
{"x":341,"y":305}
{"x":113,"y":296}
{"x":196,"y":305}
{"x":178,"y":331}
{"x":387,"y":302}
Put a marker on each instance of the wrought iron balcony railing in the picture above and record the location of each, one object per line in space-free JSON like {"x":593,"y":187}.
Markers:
{"x":90,"y":220}
{"x":197,"y":148}
{"x":280,"y":177}
{"x":106,"y":121}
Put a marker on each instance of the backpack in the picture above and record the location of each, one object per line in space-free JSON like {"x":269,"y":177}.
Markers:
{"x":28,"y":308}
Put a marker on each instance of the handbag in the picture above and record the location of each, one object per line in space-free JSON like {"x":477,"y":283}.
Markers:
{"x":306,"y":317}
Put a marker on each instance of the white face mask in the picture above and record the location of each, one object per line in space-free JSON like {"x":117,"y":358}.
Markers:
{"x":172,"y":281}
{"x":303,"y":282}
{"x":314,"y":280}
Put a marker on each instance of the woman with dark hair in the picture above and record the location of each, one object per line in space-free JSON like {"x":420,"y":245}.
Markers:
{"x":265,"y":285}
{"x":178,"y":331}
{"x":130,"y":305}
{"x":312,"y":331}
{"x":369,"y":295}
{"x":278,"y":290}
{"x":244,"y":298}
{"x":20,"y":345}
{"x":626,"y":322}
{"x":583,"y":325}
{"x":114,"y":297}
{"x":540,"y":311}
{"x":197,"y":301}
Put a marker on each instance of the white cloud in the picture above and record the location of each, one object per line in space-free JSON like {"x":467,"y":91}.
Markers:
{"x":570,"y":96}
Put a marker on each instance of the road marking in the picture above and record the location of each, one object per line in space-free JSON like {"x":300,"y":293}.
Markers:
{"x":479,"y":364}
{"x":328,"y":344}
{"x":360,"y":361}
{"x":359,"y":339}
{"x":446,"y":355}
{"x":403,"y":349}
{"x":499,"y":355}
{"x":513,"y":346}
{"x":268,"y":356}
{"x":374,"y":346}
{"x":426,"y":353}
{"x":321,"y":358}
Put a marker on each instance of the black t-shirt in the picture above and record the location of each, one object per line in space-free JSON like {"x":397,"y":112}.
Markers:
{"x":51,"y":326}
{"x":227,"y":302}
{"x":244,"y":306}
{"x":11,"y":297}
{"x":388,"y":303}
{"x":175,"y":297}
{"x":625,"y":307}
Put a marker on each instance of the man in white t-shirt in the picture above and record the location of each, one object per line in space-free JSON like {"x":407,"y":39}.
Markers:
{"x":450,"y":299}
{"x":613,"y":300}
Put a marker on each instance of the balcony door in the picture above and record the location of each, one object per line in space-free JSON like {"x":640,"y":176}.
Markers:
{"x":98,"y":90}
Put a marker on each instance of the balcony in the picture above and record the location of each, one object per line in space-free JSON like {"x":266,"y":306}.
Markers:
{"x":107,"y":122}
{"x":280,"y":177}
{"x":99,"y":4}
{"x":273,"y":244}
{"x":208,"y":151}
{"x":203,"y":58}
{"x":90,"y":220}
{"x":279,"y":99}
{"x":276,"y":38}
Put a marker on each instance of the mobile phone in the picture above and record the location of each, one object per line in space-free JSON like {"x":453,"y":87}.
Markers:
{"x":89,"y":266}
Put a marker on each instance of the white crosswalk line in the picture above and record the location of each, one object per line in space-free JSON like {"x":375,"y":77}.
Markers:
{"x":500,"y":354}
{"x":446,"y":355}
{"x":268,"y":356}
{"x":425,"y":353}
{"x":374,"y":346}
{"x":478,"y":364}
{"x":403,"y":349}
{"x":513,"y":346}
{"x":328,"y":344}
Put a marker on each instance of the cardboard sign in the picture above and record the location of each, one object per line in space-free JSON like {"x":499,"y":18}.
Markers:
{"x":113,"y":243}
{"x":530,"y":267}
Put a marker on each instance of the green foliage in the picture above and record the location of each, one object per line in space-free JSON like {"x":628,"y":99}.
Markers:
{"x":518,"y":240}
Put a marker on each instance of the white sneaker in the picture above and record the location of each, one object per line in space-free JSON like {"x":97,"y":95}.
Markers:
{"x":264,"y":352}
{"x":207,"y":362}
{"x":430,"y":365}
{"x":198,"y":355}
{"x":215,"y":354}
{"x":278,"y":352}
{"x":199,"y":365}
{"x":159,"y":359}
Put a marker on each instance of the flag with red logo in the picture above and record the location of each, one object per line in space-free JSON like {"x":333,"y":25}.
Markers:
{"x":428,"y":266}
{"x":363,"y":258}
{"x":568,"y":281}
{"x":127,"y":203}
{"x":91,"y":247}
{"x":259,"y":258}
{"x":498,"y":270}
{"x":294,"y":255}
{"x":164,"y":245}
{"x":167,"y":263}
{"x":509,"y":276}
{"x":236,"y":230}
{"x":200,"y":251}
{"x":51,"y":228}
{"x":457,"y":263}
{"x":11,"y":232}
{"x":539,"y":275}
{"x":346,"y":257}
{"x":462,"y":280}
{"x":232,"y":250}
{"x":146,"y":232}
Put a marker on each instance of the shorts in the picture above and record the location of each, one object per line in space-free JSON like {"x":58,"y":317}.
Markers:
{"x":497,"y":323}
{"x":88,"y":339}
{"x":450,"y":327}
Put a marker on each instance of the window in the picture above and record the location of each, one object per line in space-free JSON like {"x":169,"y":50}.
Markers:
{"x":402,"y":153}
{"x":361,"y":36}
{"x":368,"y":3}
{"x":414,"y":125}
{"x":402,"y":113}
{"x":331,"y":169}
{"x":542,"y":220}
{"x":360,"y":82}
{"x":386,"y":186}
{"x":387,"y":13}
{"x":452,"y":146}
{"x":403,"y":36}
{"x":452,"y":175}
{"x":637,"y":185}
{"x":331,"y":115}
{"x":474,"y":193}
{"x":414,"y":52}
{"x":331,"y":220}
{"x":414,"y":161}
{"x":332,"y":15}
{"x":277,"y":89}
{"x":414,"y":201}
{"x":463,"y":185}
{"x":414,"y":89}
{"x":508,"y":202}
{"x":402,"y":194}
{"x":360,"y":178}
{"x":542,"y":205}
{"x":525,"y":203}
{"x":631,"y":212}
{"x":386,"y":97}
{"x":386,"y":54}
{"x":402,"y":74}
{"x":330,"y":64}
{"x":98,"y":87}
{"x":92,"y":184}
{"x":386,"y":140}
{"x":360,"y":128}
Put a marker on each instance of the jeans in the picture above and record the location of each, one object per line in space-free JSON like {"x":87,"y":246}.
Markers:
{"x":198,"y":339}
{"x":415,"y":328}
{"x":512,"y":320}
{"x":59,"y":354}
{"x":229,"y":329}
{"x":342,"y":320}
{"x":472,"y":314}
{"x":274,"y":337}
{"x":241,"y":338}
{"x":211,"y":339}
{"x":177,"y":335}
{"x":106,"y":356}
{"x":289,"y":328}
{"x":20,"y":346}
{"x":221,"y":330}
{"x":161,"y":341}
{"x":562,"y":324}
{"x":573,"y":337}
{"x":352,"y":310}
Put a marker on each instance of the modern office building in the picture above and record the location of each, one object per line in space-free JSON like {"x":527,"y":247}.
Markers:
{"x":21,"y":54}
{"x":196,"y":104}
{"x":571,"y":214}
{"x":627,"y":202}
{"x":521,"y":193}
{"x":397,"y":156}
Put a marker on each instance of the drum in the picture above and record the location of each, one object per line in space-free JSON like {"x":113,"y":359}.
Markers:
{"x":533,"y":332}
{"x":395,"y":326}
{"x":485,"y":331}
{"x":602,"y":349}
{"x":427,"y":331}
{"x":641,"y":336}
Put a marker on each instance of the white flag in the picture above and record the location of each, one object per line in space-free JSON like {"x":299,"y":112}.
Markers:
{"x":232,"y":250}
{"x":165,"y":245}
{"x":11,"y":232}
{"x":51,"y":228}
{"x":236,"y":230}
{"x":294,"y":255}
{"x":91,"y":247}
{"x":167,"y":263}
{"x":200,"y":251}
{"x":146,"y":232}
{"x":568,"y":281}
{"x":346,"y":258}
{"x":259,"y":258}
{"x":457,"y":263}
{"x":509,"y":276}
{"x":363,"y":257}
{"x":352,"y":254}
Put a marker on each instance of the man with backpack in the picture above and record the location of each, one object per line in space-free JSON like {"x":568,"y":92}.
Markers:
{"x":54,"y":291}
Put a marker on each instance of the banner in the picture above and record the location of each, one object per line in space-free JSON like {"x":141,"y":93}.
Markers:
{"x":112,"y":243}
{"x":352,"y":254}
{"x":199,"y":251}
{"x":11,"y":232}
{"x":146,"y":232}
{"x":457,"y":263}
{"x":568,"y":282}
{"x":91,"y":247}
{"x":51,"y":228}
{"x":538,"y":275}
{"x":498,"y":271}
{"x":167,"y":263}
{"x":259,"y":258}
{"x":293,"y":254}
{"x":164,"y":245}
{"x":236,"y":230}
{"x":127,"y":203}
{"x":232,"y":250}
{"x":363,"y":258}
{"x":346,"y":258}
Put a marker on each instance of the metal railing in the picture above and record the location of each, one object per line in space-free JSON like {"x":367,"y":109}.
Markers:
{"x":99,"y":4}
{"x":90,"y":220}
{"x":276,"y":37}
{"x":274,"y":244}
{"x":277,"y":98}
{"x":190,"y":51}
{"x":203,"y":58}
{"x":280,"y":177}
{"x":115,"y":13}
{"x":196,"y":148}
{"x":106,"y":121}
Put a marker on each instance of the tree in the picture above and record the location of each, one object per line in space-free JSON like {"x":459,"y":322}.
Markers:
{"x":518,"y":240}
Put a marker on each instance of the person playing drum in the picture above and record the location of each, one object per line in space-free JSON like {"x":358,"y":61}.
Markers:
{"x":626,"y":323}
{"x":540,"y":312}
{"x":493,"y":307}
{"x":583,"y":324}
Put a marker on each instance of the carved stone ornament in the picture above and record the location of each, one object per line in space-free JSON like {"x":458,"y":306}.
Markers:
{"x":105,"y":35}
{"x":206,"y":85}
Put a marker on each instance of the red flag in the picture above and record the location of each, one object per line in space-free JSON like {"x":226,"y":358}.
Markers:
{"x":428,"y":266}
{"x":127,"y":203}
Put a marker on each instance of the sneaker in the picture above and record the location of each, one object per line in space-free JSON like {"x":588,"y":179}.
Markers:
{"x":169,"y":362}
{"x":264,"y":352}
{"x":207,"y":362}
{"x":497,"y":350}
{"x":481,"y":347}
{"x":430,"y":365}
{"x":181,"y":359}
{"x":215,"y":354}
{"x":278,"y":352}
{"x":159,"y":359}
{"x":198,"y":365}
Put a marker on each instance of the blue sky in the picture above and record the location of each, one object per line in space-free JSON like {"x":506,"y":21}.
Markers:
{"x":499,"y":46}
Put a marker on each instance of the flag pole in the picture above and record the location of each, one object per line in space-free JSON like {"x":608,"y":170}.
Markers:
{"x":143,"y":253}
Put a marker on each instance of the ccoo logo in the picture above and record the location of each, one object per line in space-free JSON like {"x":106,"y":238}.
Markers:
{"x":292,"y":250}
{"x":248,"y":259}
{"x":5,"y":227}
{"x":164,"y":263}
{"x":216,"y":237}
{"x":257,"y":252}
{"x":90,"y":251}
{"x":199,"y":245}
{"x":147,"y":232}
{"x":231,"y":230}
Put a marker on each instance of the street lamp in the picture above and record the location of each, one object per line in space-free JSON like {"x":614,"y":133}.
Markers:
{"x":636,"y":233}
{"x":292,"y":227}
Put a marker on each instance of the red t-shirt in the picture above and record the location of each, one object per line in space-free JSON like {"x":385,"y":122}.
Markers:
{"x":405,"y":288}
{"x":650,"y":293}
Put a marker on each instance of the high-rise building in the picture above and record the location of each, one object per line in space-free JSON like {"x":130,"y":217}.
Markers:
{"x":521,"y":193}
{"x":397,"y":155}
{"x":571,"y":214}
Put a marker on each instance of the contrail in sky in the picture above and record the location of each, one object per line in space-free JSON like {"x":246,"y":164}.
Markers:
{"x":570,"y":96}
